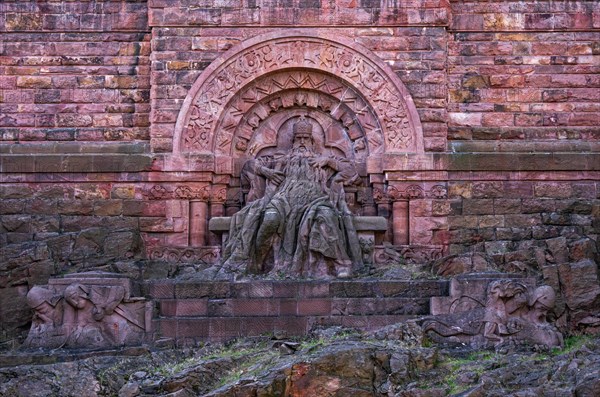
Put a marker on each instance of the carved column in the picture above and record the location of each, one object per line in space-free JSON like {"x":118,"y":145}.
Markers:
{"x":234,"y":203}
{"x":198,"y":222}
{"x":217,"y":208}
{"x":365,"y":199}
{"x":383,"y":207}
{"x":400,"y":222}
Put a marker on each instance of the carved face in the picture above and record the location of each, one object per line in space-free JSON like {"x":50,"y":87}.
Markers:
{"x":77,"y":302}
{"x":540,"y":309}
{"x":303,"y":143}
{"x":544,"y":295}
{"x":45,"y":312}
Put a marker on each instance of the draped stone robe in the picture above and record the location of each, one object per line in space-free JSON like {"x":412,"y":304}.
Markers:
{"x":315,"y":236}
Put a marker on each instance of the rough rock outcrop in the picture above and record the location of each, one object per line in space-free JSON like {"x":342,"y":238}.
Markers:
{"x":383,"y":364}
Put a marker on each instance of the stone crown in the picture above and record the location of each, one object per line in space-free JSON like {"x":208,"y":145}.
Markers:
{"x":302,"y":128}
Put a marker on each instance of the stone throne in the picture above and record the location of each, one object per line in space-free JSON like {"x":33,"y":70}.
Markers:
{"x":316,"y":236}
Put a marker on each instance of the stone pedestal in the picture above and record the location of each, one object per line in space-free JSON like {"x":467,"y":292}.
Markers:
{"x":220,"y":311}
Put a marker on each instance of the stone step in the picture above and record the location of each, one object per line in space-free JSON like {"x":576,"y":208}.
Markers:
{"x":170,"y":289}
{"x":221,"y":310}
{"x":219,"y":329}
{"x":274,"y":307}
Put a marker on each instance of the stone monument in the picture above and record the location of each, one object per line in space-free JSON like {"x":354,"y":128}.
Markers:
{"x":160,"y":139}
{"x":296,"y":221}
{"x":87,"y":311}
{"x":513,"y":312}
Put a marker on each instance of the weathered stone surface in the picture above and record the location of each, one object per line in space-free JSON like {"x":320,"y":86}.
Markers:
{"x":580,"y":284}
{"x":461,"y":264}
{"x":582,"y":249}
{"x":334,"y":363}
{"x":505,"y":92}
{"x":89,"y":311}
{"x":513,"y":312}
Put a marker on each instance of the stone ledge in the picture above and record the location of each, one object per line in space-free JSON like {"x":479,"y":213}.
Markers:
{"x":465,"y":158}
{"x":276,"y":307}
{"x":523,"y":161}
{"x":397,"y":164}
{"x":37,"y":357}
{"x":67,"y":163}
{"x":542,"y":147}
{"x":301,"y":289}
{"x":126,"y":159}
{"x":220,"y":224}
{"x":41,"y":148}
{"x":221,"y":329}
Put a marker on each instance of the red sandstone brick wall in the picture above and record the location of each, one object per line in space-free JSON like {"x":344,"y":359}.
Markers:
{"x":297,"y":13}
{"x":74,"y":71}
{"x":524,"y":77}
{"x":524,"y":72}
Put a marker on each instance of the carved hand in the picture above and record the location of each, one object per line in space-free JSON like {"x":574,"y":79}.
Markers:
{"x":98,"y":313}
{"x":320,"y":162}
{"x":274,"y":176}
{"x":42,"y":318}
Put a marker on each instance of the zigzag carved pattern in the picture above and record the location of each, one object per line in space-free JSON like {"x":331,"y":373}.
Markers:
{"x":331,"y":57}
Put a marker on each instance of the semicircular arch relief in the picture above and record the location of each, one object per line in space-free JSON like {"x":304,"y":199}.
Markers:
{"x":210,"y":101}
{"x":357,"y":124}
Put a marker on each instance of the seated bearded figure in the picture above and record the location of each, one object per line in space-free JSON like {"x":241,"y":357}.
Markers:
{"x":297,"y":222}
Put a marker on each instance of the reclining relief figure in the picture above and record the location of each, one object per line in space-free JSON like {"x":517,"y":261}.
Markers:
{"x":512,"y":312}
{"x":85,"y":316}
{"x":96,"y":317}
{"x":296,"y":222}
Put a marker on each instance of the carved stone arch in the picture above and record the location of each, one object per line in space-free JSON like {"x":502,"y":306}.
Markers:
{"x":344,"y":126}
{"x":257,"y":138}
{"x":311,"y":89}
{"x":204,"y":110}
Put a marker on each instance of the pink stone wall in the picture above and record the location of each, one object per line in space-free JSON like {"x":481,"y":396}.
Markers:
{"x":287,"y":13}
{"x":74,"y":71}
{"x":524,"y":78}
{"x":74,"y":116}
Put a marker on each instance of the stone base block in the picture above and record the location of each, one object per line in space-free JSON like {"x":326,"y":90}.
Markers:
{"x":221,"y":311}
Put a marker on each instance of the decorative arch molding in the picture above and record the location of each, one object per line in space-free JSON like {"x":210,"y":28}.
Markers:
{"x":373,"y":96}
{"x":280,"y":92}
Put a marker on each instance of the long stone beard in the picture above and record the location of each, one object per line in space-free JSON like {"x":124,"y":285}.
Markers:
{"x":306,"y":152}
{"x":304,"y":181}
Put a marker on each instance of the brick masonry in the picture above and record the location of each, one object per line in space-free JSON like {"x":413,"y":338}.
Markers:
{"x":219,"y":311}
{"x":507,"y":93}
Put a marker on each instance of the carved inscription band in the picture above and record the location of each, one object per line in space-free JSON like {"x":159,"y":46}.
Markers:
{"x":262,"y":68}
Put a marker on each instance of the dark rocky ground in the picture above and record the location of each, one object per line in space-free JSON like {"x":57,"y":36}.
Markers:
{"x":333,"y":362}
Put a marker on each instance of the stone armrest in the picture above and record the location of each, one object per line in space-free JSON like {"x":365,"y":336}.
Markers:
{"x":220,"y":224}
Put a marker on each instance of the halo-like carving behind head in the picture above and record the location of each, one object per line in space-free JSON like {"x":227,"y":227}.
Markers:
{"x":211,"y":111}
